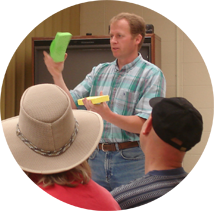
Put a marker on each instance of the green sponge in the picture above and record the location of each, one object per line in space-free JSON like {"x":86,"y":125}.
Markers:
{"x":59,"y":45}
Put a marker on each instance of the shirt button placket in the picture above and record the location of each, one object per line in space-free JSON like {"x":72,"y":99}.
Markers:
{"x":115,"y":88}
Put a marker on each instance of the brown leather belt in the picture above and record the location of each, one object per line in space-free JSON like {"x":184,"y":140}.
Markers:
{"x":112,"y":146}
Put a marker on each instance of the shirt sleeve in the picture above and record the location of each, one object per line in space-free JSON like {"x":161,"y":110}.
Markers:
{"x":155,"y":86}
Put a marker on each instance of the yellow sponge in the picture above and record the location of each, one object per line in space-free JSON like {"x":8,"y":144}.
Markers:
{"x":95,"y":100}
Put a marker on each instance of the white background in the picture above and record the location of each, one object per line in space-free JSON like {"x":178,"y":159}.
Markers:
{"x":18,"y":18}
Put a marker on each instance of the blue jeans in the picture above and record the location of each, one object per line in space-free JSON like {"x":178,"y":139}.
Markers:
{"x":112,"y":169}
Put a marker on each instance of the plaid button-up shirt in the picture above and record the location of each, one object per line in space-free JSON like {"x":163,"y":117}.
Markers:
{"x":129,"y":90}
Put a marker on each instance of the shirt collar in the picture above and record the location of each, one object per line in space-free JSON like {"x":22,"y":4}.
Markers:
{"x":167,"y":172}
{"x":128,"y":66}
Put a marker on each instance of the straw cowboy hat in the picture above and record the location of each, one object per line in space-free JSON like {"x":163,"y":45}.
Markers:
{"x":48,"y":136}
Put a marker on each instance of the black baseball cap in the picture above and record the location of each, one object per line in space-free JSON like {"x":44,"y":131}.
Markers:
{"x":177,"y":122}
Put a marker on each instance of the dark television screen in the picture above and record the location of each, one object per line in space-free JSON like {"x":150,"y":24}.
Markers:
{"x":83,"y":55}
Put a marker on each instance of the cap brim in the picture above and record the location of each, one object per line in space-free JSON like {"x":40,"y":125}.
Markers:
{"x":88,"y":137}
{"x":155,"y":100}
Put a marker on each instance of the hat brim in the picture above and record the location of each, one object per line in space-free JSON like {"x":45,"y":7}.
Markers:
{"x":88,"y":137}
{"x":155,"y":100}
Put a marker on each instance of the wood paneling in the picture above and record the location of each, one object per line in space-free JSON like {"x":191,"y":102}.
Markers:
{"x":18,"y":76}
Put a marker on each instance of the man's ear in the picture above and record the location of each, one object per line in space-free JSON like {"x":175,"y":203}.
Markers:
{"x":147,"y":126}
{"x":138,"y":38}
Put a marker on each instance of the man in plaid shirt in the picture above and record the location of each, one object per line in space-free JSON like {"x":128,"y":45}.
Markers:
{"x":130,"y":82}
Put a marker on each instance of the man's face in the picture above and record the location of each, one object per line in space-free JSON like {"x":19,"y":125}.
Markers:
{"x":123,"y":45}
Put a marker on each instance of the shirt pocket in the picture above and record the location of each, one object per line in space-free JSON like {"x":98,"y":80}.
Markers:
{"x":126,"y":102}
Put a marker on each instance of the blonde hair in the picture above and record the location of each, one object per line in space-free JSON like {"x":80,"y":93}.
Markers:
{"x":72,"y":178}
{"x":136,"y":23}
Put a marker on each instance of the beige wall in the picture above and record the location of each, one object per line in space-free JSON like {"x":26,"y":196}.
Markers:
{"x":182,"y":64}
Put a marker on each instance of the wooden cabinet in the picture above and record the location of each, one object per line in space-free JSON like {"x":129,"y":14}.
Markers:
{"x":155,"y":43}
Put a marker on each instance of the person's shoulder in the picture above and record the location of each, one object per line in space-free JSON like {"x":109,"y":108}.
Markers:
{"x":147,"y":67}
{"x":102,"y":193}
{"x":106,"y":64}
{"x":135,"y":184}
{"x":98,"y":188}
{"x":104,"y":67}
{"x":150,"y":66}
